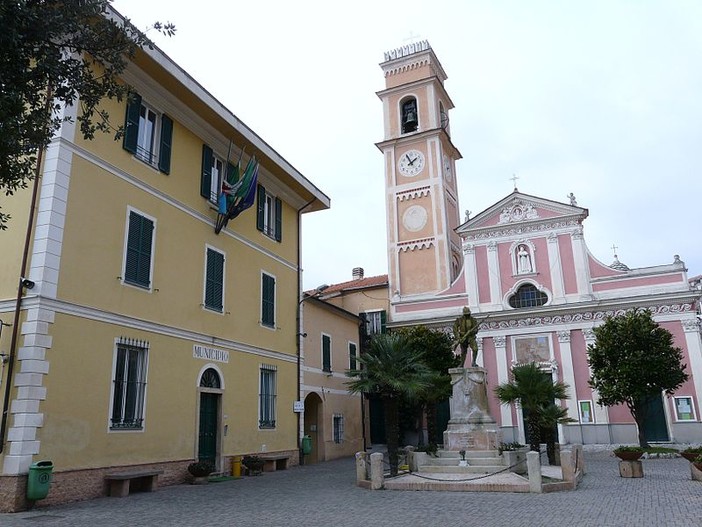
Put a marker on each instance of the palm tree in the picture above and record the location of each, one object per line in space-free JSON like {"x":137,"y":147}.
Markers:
{"x":393,"y":371}
{"x":551,"y":416}
{"x":535,"y":391}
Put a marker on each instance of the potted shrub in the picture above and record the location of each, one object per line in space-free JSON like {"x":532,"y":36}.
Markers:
{"x":253,"y":464}
{"x":691,"y":453}
{"x":200,"y":470}
{"x":628,"y":453}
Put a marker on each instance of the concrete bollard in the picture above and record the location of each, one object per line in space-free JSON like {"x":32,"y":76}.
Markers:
{"x":568,"y":465}
{"x":534,"y":469}
{"x":361,"y":466}
{"x":377,"y":479}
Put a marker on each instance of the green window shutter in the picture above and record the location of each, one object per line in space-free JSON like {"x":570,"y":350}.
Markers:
{"x":267,"y":300}
{"x":278,"y":219}
{"x":326,"y":353}
{"x":383,"y":321}
{"x":352,"y":356}
{"x":131,"y":123}
{"x":137,"y":269}
{"x":164,"y":152}
{"x":214,"y":280}
{"x":261,"y":208}
{"x":206,"y":177}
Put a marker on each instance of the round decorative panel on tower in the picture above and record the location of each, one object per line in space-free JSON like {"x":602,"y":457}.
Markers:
{"x":411,"y":163}
{"x":415,"y":218}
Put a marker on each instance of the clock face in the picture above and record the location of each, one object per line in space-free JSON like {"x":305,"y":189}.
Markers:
{"x":411,"y":163}
{"x":447,"y":168}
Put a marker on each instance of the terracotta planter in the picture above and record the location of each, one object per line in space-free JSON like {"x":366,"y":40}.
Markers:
{"x":698,"y":466}
{"x":628,"y":456}
{"x":690,"y":456}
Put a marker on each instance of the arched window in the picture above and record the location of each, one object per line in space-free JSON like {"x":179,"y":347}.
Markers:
{"x":210,"y":379}
{"x":410,"y":118}
{"x":528,"y":296}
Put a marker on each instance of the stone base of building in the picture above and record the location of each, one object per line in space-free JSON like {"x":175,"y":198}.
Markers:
{"x":472,"y":437}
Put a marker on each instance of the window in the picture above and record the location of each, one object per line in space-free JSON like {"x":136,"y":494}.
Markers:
{"x":326,"y":353}
{"x":212,"y":174}
{"x":269,"y":214}
{"x":267,"y":300}
{"x":338,"y":426}
{"x":684,"y":409}
{"x":266,"y":398}
{"x":129,"y":385}
{"x":147,"y":134}
{"x":375,"y":322}
{"x":139,"y":248}
{"x":585,"y":411}
{"x":410,"y":120}
{"x":528,"y":296}
{"x":214,"y":280}
{"x":352,"y":356}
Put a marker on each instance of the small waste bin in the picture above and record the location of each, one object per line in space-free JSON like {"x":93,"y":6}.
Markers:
{"x":236,"y":466}
{"x":306,"y":445}
{"x":39,"y":480}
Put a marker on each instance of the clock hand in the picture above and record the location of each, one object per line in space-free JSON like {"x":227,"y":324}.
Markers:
{"x":408,"y":158}
{"x":411,"y":162}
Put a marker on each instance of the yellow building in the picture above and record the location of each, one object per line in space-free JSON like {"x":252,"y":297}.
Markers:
{"x":143,"y":338}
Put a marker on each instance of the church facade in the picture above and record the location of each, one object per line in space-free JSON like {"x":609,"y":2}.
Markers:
{"x":523,"y":268}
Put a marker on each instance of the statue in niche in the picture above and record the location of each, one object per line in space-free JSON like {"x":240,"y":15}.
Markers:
{"x":523,"y":260}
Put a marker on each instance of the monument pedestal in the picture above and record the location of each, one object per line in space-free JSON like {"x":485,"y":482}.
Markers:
{"x":471,"y":427}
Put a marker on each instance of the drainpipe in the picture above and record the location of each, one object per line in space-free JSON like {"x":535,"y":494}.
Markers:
{"x":22,"y":283}
{"x":298,"y":325}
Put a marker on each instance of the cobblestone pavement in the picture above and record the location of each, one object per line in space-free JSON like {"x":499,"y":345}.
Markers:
{"x":325,"y":495}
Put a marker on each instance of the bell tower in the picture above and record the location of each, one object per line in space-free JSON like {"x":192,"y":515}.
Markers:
{"x":424,"y":251}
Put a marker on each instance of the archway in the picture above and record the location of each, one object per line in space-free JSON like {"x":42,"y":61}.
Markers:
{"x":314,"y":427}
{"x":208,"y":438}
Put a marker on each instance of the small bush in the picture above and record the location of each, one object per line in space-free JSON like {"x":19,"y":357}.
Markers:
{"x":508,"y":447}
{"x":627,"y":448}
{"x":430,"y":449}
{"x":201,"y":468}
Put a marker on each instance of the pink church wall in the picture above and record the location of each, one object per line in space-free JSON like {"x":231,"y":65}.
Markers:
{"x":507,"y":280}
{"x":598,"y":269}
{"x":490,"y":364}
{"x":639,"y":282}
{"x":578,"y":349}
{"x":482,"y":269}
{"x":543,"y":265}
{"x":688,"y":388}
{"x":565,"y":249}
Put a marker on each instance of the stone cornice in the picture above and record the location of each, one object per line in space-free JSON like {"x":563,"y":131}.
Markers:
{"x":519,"y":229}
{"x":413,"y":193}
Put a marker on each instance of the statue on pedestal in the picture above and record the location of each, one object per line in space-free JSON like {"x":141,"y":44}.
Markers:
{"x":465,"y":328}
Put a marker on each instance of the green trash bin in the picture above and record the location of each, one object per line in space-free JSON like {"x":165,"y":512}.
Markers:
{"x":39,"y":480}
{"x":306,"y":445}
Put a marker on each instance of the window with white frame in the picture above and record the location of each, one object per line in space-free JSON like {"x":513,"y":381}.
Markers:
{"x":269,"y":219}
{"x":148,"y":134}
{"x":267,"y":396}
{"x":214,"y":280}
{"x":375,"y":322}
{"x":585,"y":412}
{"x":129,"y":385}
{"x":338,"y":426}
{"x":684,"y":408}
{"x":326,"y":353}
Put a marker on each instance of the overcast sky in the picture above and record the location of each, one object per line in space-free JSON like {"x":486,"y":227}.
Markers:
{"x":599,"y":98}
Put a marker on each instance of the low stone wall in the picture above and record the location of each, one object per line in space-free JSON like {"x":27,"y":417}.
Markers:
{"x":78,"y":485}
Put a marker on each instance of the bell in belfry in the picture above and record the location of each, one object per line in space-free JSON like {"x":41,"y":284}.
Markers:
{"x":411,"y":117}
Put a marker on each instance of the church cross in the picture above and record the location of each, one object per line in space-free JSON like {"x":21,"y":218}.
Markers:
{"x":614,"y":248}
{"x":514,"y":179}
{"x":412,"y":37}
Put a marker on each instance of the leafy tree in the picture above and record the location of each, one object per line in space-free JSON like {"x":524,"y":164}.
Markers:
{"x":393,"y":371}
{"x":436,"y":350}
{"x":632,"y":360}
{"x":535,"y":391}
{"x":54,"y":53}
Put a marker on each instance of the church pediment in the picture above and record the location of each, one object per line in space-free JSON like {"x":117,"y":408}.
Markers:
{"x":522,"y":209}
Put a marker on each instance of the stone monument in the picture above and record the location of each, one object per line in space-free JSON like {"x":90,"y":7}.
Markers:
{"x":471,"y":427}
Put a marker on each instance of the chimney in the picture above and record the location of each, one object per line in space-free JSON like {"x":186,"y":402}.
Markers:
{"x":357,"y":273}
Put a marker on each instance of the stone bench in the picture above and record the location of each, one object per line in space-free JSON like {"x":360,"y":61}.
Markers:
{"x":273,"y":462}
{"x":145,"y":480}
